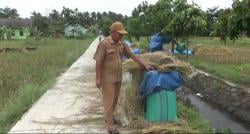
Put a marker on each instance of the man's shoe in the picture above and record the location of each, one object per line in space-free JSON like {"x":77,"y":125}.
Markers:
{"x":117,"y":122}
{"x":113,"y":131}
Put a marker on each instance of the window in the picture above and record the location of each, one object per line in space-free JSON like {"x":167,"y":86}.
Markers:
{"x":21,"y":33}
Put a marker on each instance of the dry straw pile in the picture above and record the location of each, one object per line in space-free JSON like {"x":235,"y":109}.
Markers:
{"x":212,"y":51}
{"x":222,"y":55}
{"x":160,"y":61}
{"x":169,"y":128}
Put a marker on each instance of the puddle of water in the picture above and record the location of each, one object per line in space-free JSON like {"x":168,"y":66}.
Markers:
{"x":218,"y":118}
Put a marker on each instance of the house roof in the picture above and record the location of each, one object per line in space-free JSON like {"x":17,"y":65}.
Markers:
{"x":8,"y":22}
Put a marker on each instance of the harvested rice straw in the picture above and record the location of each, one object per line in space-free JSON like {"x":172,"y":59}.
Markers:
{"x":161,"y":61}
{"x":169,"y":128}
{"x":212,"y":51}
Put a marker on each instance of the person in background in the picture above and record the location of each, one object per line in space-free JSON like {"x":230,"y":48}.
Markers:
{"x":108,"y":58}
{"x":100,"y":36}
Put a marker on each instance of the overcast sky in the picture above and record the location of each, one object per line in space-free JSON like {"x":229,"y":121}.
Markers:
{"x":125,"y":7}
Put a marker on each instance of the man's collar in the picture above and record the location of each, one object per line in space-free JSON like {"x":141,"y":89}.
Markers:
{"x":112,"y":42}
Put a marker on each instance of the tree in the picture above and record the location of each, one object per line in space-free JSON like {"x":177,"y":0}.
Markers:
{"x":40,"y":23}
{"x":8,"y":13}
{"x":86,"y":19}
{"x":141,"y":24}
{"x":104,"y":25}
{"x":212,"y":17}
{"x":186,"y":19}
{"x":161,"y":15}
{"x":104,"y":20}
{"x":240,"y":18}
{"x":99,"y":16}
{"x":222,"y":25}
{"x":93,"y":18}
{"x":135,"y":28}
{"x":56,"y":23}
{"x":71,"y":17}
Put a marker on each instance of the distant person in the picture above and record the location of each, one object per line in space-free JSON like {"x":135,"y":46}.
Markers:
{"x":100,"y":36}
{"x":100,"y":39}
{"x":100,"y":32}
{"x":108,"y":58}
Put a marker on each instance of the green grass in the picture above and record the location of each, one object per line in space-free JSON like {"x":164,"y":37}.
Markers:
{"x":239,"y":74}
{"x":194,"y":118}
{"x":143,"y":44}
{"x":25,"y":76}
{"x":18,"y":103}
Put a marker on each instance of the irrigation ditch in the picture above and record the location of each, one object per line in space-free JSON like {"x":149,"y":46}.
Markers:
{"x":224,"y":104}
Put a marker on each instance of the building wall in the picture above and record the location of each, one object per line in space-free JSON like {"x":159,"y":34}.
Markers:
{"x":19,"y":34}
{"x":74,"y":31}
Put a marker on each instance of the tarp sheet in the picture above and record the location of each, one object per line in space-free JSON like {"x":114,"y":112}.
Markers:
{"x":154,"y":81}
{"x":157,"y":41}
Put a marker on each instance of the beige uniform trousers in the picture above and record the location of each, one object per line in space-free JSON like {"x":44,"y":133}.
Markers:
{"x":110,"y":94}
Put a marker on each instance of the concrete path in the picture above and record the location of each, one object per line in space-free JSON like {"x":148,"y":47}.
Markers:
{"x":72,"y":105}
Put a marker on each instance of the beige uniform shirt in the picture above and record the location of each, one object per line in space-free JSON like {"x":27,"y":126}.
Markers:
{"x":110,"y":54}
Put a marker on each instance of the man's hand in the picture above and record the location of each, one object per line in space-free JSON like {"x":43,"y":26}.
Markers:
{"x":98,"y":73}
{"x":98,"y":83}
{"x":148,"y":67}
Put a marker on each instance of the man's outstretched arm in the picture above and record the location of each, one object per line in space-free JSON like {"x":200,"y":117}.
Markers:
{"x":136,"y":59}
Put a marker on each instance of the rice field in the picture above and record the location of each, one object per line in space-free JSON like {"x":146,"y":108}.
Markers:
{"x":26,"y":75}
{"x":232,"y":64}
{"x":234,"y":67}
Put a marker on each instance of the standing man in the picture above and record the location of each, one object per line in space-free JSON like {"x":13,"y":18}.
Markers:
{"x":100,"y":36}
{"x":108,"y":58}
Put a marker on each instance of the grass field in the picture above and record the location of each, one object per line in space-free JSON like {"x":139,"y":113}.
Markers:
{"x":234,"y":67}
{"x":26,"y":75}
